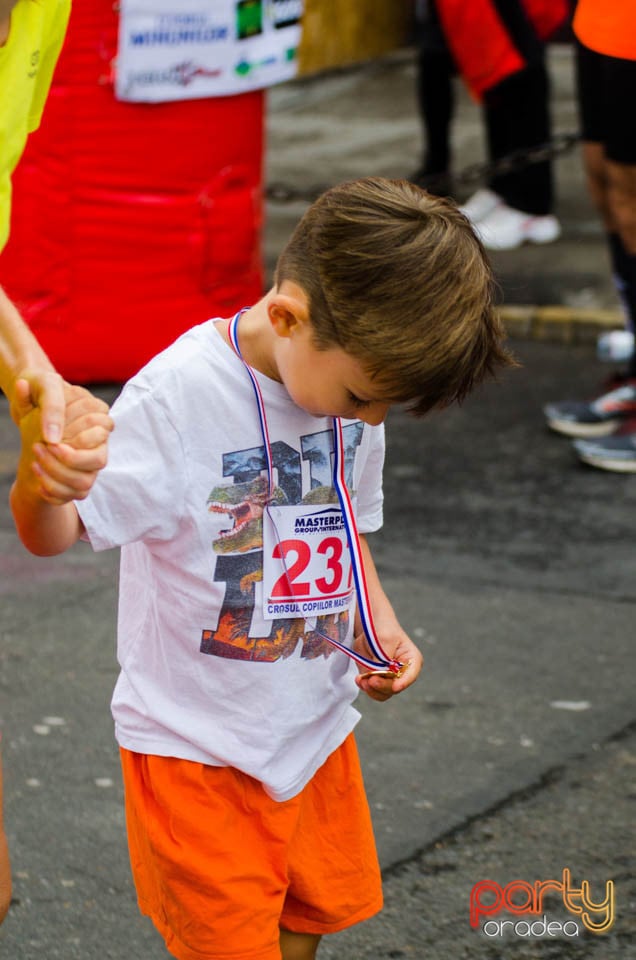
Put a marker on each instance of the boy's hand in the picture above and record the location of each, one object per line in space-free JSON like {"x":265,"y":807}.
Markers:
{"x":399,"y":646}
{"x":67,"y":470}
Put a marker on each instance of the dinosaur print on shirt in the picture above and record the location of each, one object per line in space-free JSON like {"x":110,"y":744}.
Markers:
{"x":302,"y":476}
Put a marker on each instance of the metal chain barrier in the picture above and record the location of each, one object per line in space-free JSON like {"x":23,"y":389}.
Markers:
{"x":562,"y":143}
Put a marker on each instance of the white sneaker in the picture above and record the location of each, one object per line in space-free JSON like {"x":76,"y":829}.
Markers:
{"x":482,"y":203}
{"x":506,"y":228}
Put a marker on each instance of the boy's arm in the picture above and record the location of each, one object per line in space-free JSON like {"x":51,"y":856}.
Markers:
{"x":50,"y":477}
{"x":393,"y":639}
{"x":44,"y":528}
{"x":27,"y":377}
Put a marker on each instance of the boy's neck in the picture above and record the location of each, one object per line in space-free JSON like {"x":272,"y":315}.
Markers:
{"x":256,"y":338}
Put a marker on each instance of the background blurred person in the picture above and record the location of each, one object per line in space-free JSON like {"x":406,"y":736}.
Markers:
{"x":31,"y":36}
{"x":606,"y":76}
{"x":498,"y":48}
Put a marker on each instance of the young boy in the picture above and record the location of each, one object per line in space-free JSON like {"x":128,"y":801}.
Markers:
{"x":248,"y":827}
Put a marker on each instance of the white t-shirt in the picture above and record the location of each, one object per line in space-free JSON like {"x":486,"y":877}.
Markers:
{"x":203,"y":675}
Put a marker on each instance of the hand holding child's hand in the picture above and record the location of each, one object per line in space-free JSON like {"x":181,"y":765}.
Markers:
{"x":67,"y":470}
{"x":44,"y":390}
{"x":399,"y":646}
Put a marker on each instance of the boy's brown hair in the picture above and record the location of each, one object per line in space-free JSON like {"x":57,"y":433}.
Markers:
{"x":398,"y":279}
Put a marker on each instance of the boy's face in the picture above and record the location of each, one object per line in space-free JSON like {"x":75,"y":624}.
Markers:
{"x":328,"y":383}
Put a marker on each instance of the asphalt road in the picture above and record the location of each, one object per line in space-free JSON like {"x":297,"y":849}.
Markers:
{"x":514,"y":758}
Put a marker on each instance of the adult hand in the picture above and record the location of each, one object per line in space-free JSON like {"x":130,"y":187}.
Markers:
{"x":43,"y":389}
{"x":67,"y":470}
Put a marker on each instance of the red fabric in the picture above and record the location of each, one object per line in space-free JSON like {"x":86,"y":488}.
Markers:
{"x":480,"y":43}
{"x":131,"y":222}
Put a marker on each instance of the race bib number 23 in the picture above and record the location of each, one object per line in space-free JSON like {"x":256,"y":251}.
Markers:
{"x":306,"y":562}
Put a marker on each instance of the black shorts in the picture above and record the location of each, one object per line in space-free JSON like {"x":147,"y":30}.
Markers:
{"x":607,"y":91}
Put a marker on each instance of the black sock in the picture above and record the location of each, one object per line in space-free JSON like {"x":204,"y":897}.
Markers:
{"x":624,"y":273}
{"x":620,"y":274}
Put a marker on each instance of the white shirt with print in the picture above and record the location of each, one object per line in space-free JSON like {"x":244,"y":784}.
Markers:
{"x":203,"y":675}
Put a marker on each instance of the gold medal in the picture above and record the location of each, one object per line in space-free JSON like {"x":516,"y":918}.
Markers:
{"x":386,"y":674}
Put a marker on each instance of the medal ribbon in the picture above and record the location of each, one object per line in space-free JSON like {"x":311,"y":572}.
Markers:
{"x":382,"y":661}
{"x":233,"y":334}
{"x":357,"y":563}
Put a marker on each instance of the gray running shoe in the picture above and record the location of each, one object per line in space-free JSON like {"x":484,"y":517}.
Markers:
{"x":609,"y":453}
{"x":598,"y":418}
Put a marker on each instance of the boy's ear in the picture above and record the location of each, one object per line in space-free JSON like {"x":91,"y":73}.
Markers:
{"x":288,"y":309}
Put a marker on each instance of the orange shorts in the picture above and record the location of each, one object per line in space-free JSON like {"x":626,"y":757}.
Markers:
{"x":220,"y":867}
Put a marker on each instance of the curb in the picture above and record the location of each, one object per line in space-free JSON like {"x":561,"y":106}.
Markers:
{"x":559,"y":324}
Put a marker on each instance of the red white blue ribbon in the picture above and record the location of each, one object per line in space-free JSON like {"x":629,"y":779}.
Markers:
{"x":382,"y":661}
{"x":357,"y":563}
{"x":260,"y":404}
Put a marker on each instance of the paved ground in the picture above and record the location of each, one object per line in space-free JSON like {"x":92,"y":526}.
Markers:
{"x":364,"y":122}
{"x":515,"y":757}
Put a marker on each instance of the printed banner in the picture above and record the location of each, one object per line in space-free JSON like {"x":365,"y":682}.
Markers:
{"x":186,"y":49}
